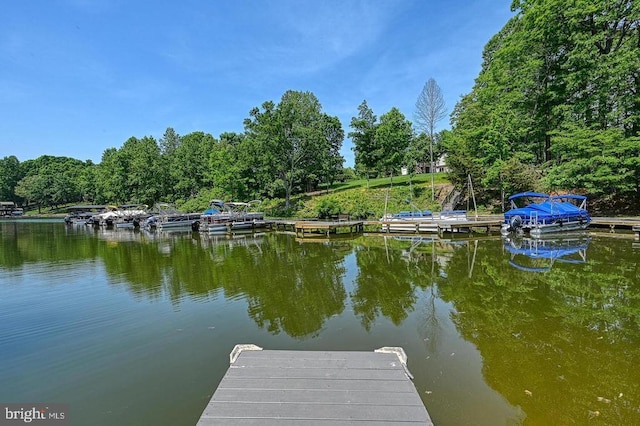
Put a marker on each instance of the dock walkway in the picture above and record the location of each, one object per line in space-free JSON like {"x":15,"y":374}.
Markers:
{"x":632,"y":223}
{"x":275,"y":387}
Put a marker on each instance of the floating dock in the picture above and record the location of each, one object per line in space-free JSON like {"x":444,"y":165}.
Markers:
{"x":327,"y":228}
{"x":307,"y":228}
{"x":275,"y":387}
{"x":439,"y":226}
{"x":613,"y":223}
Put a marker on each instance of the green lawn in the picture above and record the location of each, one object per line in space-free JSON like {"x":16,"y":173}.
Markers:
{"x":424,"y":178}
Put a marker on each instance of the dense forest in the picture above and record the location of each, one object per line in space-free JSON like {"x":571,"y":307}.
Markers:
{"x":556,"y":104}
{"x":556,"y":107}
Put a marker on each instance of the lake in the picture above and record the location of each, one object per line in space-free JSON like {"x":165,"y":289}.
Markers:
{"x":135,"y":328}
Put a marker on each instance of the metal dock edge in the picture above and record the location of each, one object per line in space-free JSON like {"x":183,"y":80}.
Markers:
{"x":274,"y":387}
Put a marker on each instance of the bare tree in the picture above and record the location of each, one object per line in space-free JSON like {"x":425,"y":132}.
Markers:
{"x":430,"y":109}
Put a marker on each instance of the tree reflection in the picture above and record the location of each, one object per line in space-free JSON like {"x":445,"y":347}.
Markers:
{"x":290,"y":286}
{"x":23,"y":242}
{"x":560,"y":344}
{"x":386,"y":281}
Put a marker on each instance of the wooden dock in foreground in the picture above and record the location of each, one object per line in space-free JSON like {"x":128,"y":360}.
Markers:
{"x":275,"y":387}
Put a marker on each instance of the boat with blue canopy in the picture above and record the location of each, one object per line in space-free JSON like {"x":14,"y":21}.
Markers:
{"x":546,"y":213}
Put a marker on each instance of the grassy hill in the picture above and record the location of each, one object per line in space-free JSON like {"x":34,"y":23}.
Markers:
{"x":366,"y":200}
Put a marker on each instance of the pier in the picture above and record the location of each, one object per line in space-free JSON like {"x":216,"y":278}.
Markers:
{"x":327,"y":228}
{"x":307,"y":228}
{"x":274,"y":387}
{"x":613,"y":223}
{"x":484,"y":223}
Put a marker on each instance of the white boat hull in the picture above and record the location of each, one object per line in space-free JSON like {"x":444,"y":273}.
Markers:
{"x":241,"y":225}
{"x":543,"y":229}
{"x":414,"y":226}
{"x":125,"y":225}
{"x":217,"y":228}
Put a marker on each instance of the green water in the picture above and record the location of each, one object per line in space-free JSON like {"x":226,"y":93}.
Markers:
{"x":134,"y":328}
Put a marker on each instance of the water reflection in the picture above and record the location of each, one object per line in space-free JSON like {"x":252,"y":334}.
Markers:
{"x":554,"y":348}
{"x":539,"y":254}
{"x":560,"y":345}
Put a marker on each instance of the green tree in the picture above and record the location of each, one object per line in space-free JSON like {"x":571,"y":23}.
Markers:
{"x":603,"y":162}
{"x":87,"y":182}
{"x":363,"y":136}
{"x":112,"y":177}
{"x":189,"y":164}
{"x":170,"y":141}
{"x":33,"y":189}
{"x":415,"y":154}
{"x":393,"y":136}
{"x":10,"y":174}
{"x":291,"y":139}
{"x":262,"y":130}
{"x":330,"y":159}
{"x":227,"y":168}
{"x":62,"y":176}
{"x":145,"y":172}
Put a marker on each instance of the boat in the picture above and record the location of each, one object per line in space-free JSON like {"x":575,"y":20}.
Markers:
{"x":130,"y":216}
{"x":84,"y":214}
{"x":166,"y":217}
{"x":215,"y":219}
{"x":9,"y":208}
{"x":453,"y":215}
{"x":222,"y":217}
{"x":540,"y":254}
{"x":418,"y":220}
{"x":242,"y":218}
{"x":414,"y":220}
{"x":546,"y":214}
{"x":107,"y":218}
{"x":409,"y":221}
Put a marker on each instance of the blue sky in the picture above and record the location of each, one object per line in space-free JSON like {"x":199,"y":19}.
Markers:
{"x":80,"y":76}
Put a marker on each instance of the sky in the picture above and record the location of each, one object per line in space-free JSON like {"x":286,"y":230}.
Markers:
{"x":80,"y":76}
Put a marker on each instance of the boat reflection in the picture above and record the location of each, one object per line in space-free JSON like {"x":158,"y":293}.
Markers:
{"x":540,"y":254}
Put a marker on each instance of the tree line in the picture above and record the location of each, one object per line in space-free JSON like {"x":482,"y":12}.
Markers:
{"x":556,"y":105}
{"x":286,"y":148}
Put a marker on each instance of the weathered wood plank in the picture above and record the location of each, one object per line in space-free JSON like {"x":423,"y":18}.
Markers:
{"x":320,"y":384}
{"x":317,"y":373}
{"x":319,"y":355}
{"x":316,"y":411}
{"x":333,"y":396}
{"x":289,"y":354}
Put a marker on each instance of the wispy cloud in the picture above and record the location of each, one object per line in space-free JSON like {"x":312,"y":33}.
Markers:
{"x":283,"y":38}
{"x":116,"y":66}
